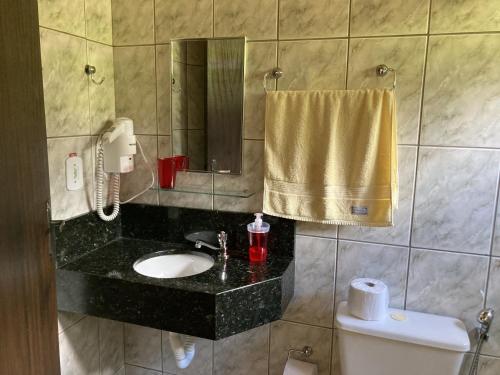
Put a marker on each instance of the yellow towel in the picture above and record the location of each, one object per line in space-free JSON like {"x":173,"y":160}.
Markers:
{"x":331,"y":156}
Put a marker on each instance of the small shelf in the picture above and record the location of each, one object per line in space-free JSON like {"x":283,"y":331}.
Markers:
{"x":221,"y":193}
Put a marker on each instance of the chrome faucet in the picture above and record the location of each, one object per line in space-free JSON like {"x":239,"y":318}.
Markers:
{"x":222,"y":237}
{"x":199,"y":243}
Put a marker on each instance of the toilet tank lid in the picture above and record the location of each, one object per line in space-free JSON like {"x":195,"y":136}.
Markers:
{"x":409,"y":326}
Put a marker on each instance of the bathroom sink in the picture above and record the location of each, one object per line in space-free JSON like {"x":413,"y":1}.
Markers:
{"x":165,"y":265}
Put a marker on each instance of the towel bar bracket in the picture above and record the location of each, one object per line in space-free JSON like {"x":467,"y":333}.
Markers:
{"x":276,"y":74}
{"x":382,"y":70}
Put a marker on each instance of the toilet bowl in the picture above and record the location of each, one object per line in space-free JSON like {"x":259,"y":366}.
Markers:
{"x":404,"y":342}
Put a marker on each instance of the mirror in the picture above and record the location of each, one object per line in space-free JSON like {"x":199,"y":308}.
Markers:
{"x":207,"y":92}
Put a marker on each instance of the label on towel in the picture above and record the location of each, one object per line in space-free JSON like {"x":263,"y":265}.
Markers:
{"x":359,"y":210}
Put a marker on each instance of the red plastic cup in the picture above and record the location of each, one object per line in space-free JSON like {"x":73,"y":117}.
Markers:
{"x":166,"y":172}
{"x":181,"y":162}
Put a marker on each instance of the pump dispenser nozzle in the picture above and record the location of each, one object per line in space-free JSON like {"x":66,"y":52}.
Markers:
{"x":258,"y":220}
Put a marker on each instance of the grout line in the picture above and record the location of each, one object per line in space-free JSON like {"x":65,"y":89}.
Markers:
{"x":75,"y":36}
{"x":415,"y":173}
{"x":98,"y":322}
{"x":305,"y":324}
{"x":71,"y":325}
{"x":478,"y":148}
{"x":213,"y":357}
{"x":382,"y":36}
{"x":213,"y":18}
{"x":348,"y":51}
{"x":278,"y":5}
{"x":395,"y":245}
{"x":262,"y":140}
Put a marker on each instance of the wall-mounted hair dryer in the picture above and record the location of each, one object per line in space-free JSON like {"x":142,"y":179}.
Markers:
{"x":119,"y":146}
{"x":115,"y":154}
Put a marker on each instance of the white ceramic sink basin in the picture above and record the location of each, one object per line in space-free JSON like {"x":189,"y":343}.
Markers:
{"x":164,"y":265}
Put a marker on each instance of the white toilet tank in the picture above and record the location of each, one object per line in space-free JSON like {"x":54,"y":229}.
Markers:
{"x":404,"y":343}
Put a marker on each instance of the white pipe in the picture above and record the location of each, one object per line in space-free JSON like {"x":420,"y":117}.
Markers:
{"x":183,"y":351}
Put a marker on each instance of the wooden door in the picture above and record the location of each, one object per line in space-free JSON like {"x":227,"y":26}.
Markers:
{"x":28,"y":313}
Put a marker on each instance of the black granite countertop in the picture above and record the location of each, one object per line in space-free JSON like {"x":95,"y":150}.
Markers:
{"x":96,"y":277}
{"x":116,"y":259}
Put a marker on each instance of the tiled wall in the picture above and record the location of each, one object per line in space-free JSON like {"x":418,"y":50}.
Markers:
{"x":440,"y":257}
{"x":72,"y":34}
{"x":443,"y":254}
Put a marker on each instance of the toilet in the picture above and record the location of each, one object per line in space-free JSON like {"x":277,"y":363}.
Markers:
{"x":405,"y":342}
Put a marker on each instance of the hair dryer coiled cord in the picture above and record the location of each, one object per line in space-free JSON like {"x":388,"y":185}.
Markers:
{"x":115,"y":187}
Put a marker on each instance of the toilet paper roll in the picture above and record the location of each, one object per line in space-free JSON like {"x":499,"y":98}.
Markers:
{"x":368,"y":299}
{"x":295,"y":367}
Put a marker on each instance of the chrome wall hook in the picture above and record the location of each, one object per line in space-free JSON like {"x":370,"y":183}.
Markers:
{"x":382,"y":70}
{"x":276,"y":74}
{"x":90,"y":70}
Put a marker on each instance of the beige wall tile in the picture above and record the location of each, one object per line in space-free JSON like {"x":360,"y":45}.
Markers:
{"x":238,"y":204}
{"x":133,"y":22}
{"x":302,"y":19}
{"x":66,"y":319}
{"x":455,"y":199}
{"x":462,"y":95}
{"x":135,"y":86}
{"x":194,"y":182}
{"x":246,"y":353}
{"x":67,"y":204}
{"x":183,"y":19}
{"x":496,"y":237}
{"x":164,"y":146}
{"x":163,"y":77}
{"x":382,"y":262}
{"x":188,"y":200}
{"x":312,"y":302}
{"x":143,"y":346}
{"x":447,"y":284}
{"x":315,"y":64}
{"x":79,"y":348}
{"x":462,"y":16}
{"x":99,"y":20}
{"x":396,"y":17}
{"x":315,"y":229}
{"x":65,"y":85}
{"x":63,"y":15}
{"x":406,"y":55}
{"x":102,"y":97}
{"x":257,"y":19}
{"x":111,"y":346}
{"x":261,"y":58}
